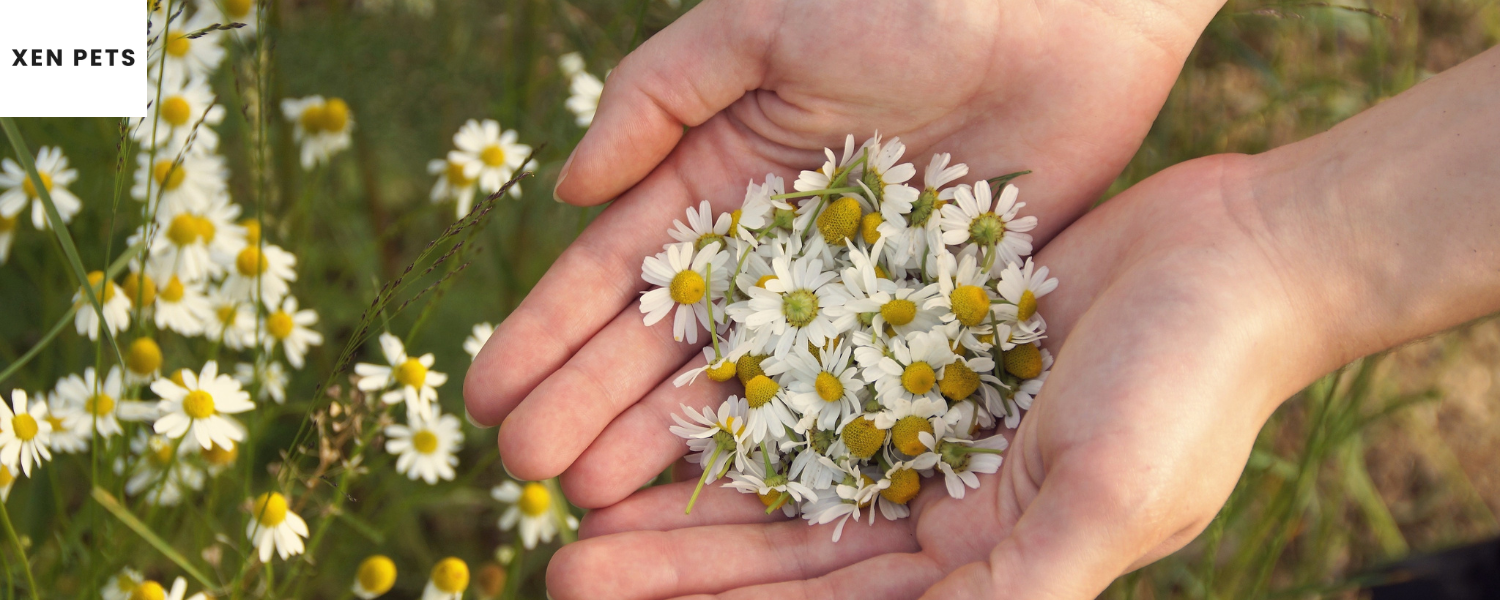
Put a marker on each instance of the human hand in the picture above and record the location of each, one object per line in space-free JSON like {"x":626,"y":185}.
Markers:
{"x":1067,"y":89}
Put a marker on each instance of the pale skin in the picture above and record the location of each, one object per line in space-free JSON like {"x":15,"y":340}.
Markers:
{"x":1192,"y":305}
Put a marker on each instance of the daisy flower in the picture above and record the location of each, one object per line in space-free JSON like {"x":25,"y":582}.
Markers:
{"x":219,"y":459}
{"x":961,"y":291}
{"x":912,"y":368}
{"x":1024,"y":286}
{"x":720,"y":367}
{"x":183,"y":307}
{"x":854,"y":494}
{"x":162,"y":478}
{"x":907,"y":420}
{"x":531,"y":507}
{"x":321,"y":126}
{"x":989,"y":223}
{"x":450,"y":578}
{"x":457,"y":179}
{"x":885,"y":178}
{"x":716,"y":437}
{"x":200,"y":406}
{"x":756,"y":210}
{"x":275,"y":528}
{"x":822,"y":179}
{"x":959,"y":460}
{"x":496,"y":152}
{"x":584,"y":89}
{"x":701,"y":228}
{"x":181,"y":105}
{"x":570,"y":64}
{"x":65,"y":439}
{"x":233,"y":322}
{"x":142,"y":361}
{"x":826,"y":385}
{"x":289,"y":327}
{"x":25,"y":433}
{"x":271,"y":375}
{"x":795,"y":305}
{"x":261,"y":272}
{"x":19,"y":190}
{"x":184,"y":57}
{"x":684,"y":276}
{"x":94,"y":404}
{"x":120,"y":585}
{"x":773,"y":490}
{"x":7,"y":236}
{"x":196,"y":244}
{"x":478,"y":336}
{"x":904,"y":481}
{"x":416,"y":383}
{"x":182,"y":183}
{"x":376,"y":576}
{"x":424,"y":447}
{"x":116,"y":307}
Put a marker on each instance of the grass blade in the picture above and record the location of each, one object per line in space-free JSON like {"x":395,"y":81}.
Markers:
{"x":120,"y":512}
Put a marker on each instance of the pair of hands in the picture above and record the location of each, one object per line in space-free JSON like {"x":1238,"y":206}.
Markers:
{"x":1169,"y":317}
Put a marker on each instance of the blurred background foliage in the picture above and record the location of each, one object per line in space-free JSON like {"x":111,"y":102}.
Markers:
{"x":1390,"y":457}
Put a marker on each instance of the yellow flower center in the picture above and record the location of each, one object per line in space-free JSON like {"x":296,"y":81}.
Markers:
{"x":312,"y":118}
{"x":425,"y":441}
{"x":183,"y":230}
{"x":800,"y":308}
{"x":136,"y":292}
{"x":237,"y":8}
{"x":769,"y":499}
{"x":160,"y":452}
{"x":5,"y":477}
{"x":168,"y":174}
{"x":760,"y":390}
{"x":411,"y":373}
{"x":535,"y":499}
{"x":377,"y":574}
{"x":970,"y":304}
{"x":840,"y":221}
{"x":687,"y":287}
{"x":25,"y":426}
{"x":30,"y":188}
{"x":198,"y":404}
{"x":252,"y":231}
{"x":206,"y":229}
{"x":905,"y":434}
{"x":456,"y":176}
{"x":1024,"y":361}
{"x":99,"y":405}
{"x":959,"y":381}
{"x":748,"y":367}
{"x":1027,"y":306}
{"x":177,"y":377}
{"x":270,"y":509}
{"x":918,"y":378}
{"x":55,"y":421}
{"x":862,"y":437}
{"x":144,"y":356}
{"x":178,"y":45}
{"x":724,"y":371}
{"x":829,"y":388}
{"x":451,"y":576}
{"x":219,"y":456}
{"x":905,"y":483}
{"x":279,"y":324}
{"x":869,"y":227}
{"x":174,"y":290}
{"x":148,"y":590}
{"x":761,"y":283}
{"x":734,"y":221}
{"x":106,"y":294}
{"x":251,"y":262}
{"x":176,"y":111}
{"x":335,"y":115}
{"x":492,"y":155}
{"x":899,"y":312}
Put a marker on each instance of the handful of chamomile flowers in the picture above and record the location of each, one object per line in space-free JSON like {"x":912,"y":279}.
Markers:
{"x":881,"y":332}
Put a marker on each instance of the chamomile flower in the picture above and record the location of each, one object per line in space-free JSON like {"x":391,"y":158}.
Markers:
{"x":94,"y":404}
{"x":218,"y":459}
{"x":289,"y":327}
{"x":450,"y":578}
{"x":457,"y":180}
{"x":112,"y":299}
{"x":478,"y":336}
{"x":496,"y":152}
{"x":885,"y":178}
{"x":25,"y":433}
{"x":826,"y":385}
{"x":233,"y":322}
{"x":65,"y":439}
{"x":684,"y":276}
{"x":962,"y":292}
{"x":584,"y":90}
{"x":912,"y":368}
{"x":261,"y":272}
{"x":701,"y":228}
{"x":376,"y":576}
{"x":201,"y":406}
{"x":570,"y":64}
{"x":321,"y":126}
{"x":120,"y":585}
{"x":795,"y":305}
{"x":961,"y":465}
{"x":758,"y":207}
{"x":773,"y":490}
{"x":822,"y":179}
{"x":1022,"y":287}
{"x":275,"y":528}
{"x":183,"y":307}
{"x":184,"y":110}
{"x":185,"y":57}
{"x":723,"y":365}
{"x":990,"y":223}
{"x":424,"y":447}
{"x":271,"y":376}
{"x":17,"y":190}
{"x":413,"y":378}
{"x":532,"y":509}
{"x":196,"y":244}
{"x":157,"y":473}
{"x":1021,"y":398}
{"x":850,"y":499}
{"x":716,"y":437}
{"x":181,"y":183}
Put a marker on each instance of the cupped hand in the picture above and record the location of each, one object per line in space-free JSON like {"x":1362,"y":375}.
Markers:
{"x":1175,"y":338}
{"x":737,"y":89}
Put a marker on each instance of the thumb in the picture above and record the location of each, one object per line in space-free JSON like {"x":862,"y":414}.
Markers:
{"x":685,"y":74}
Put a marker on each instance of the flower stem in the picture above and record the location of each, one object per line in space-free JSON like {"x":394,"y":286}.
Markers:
{"x":780,"y":500}
{"x":10,"y":532}
{"x":825,"y":192}
{"x":707,"y":470}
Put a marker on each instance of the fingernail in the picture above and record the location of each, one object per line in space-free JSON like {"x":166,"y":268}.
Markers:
{"x":562,"y":175}
{"x":470,"y":418}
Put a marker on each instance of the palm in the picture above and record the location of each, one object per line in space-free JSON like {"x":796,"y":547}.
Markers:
{"x":1119,"y":463}
{"x":1061,"y":88}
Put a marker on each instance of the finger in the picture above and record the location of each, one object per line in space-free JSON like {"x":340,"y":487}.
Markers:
{"x":562,"y":415}
{"x":683,"y":75}
{"x":663,"y":508}
{"x":637,"y":445}
{"x":885,"y":576}
{"x":698,"y":560}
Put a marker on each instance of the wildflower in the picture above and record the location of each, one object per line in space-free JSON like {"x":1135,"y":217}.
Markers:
{"x":25,"y":433}
{"x":19,"y":190}
{"x":531,"y":507}
{"x":184,"y":108}
{"x":116,"y":306}
{"x":716,"y":437}
{"x":289,"y":326}
{"x":477,"y":338}
{"x":159,"y":471}
{"x":457,"y":179}
{"x":450,"y":578}
{"x":321,"y":126}
{"x":183,"y":307}
{"x":684,"y":277}
{"x":261,"y":272}
{"x":275,"y":528}
{"x":961,"y":459}
{"x":774,"y":490}
{"x":376,"y":576}
{"x":992,"y":224}
{"x":1023,"y":287}
{"x":120,"y":585}
{"x":497,"y":153}
{"x":94,"y":404}
{"x":424,"y":447}
{"x":826,"y":385}
{"x":584,"y":91}
{"x":173,"y":184}
{"x":64,"y":439}
{"x":185,"y":57}
{"x":416,"y":383}
{"x":233,"y":321}
{"x":200,"y":406}
{"x":271,"y":376}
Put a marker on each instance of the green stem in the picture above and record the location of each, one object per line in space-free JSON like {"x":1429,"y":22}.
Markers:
{"x":10,"y":532}
{"x":707,"y":470}
{"x":780,"y":500}
{"x":824,"y":193}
